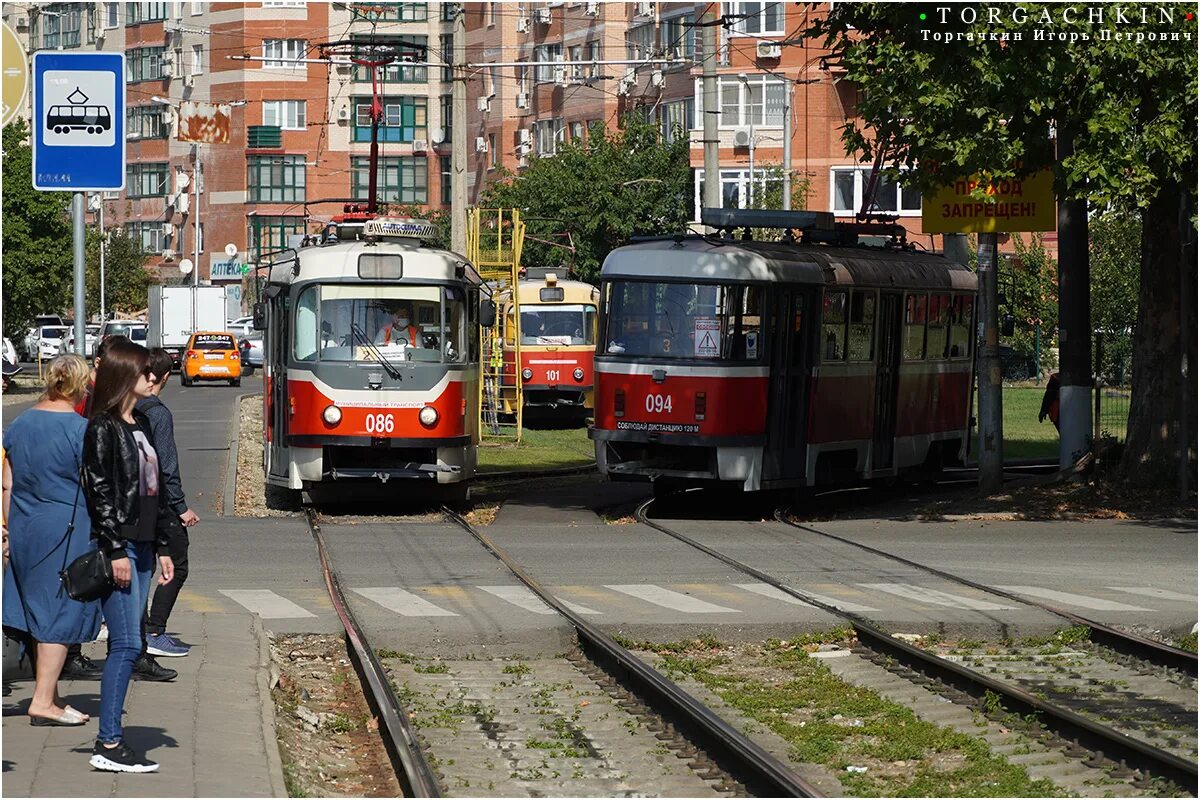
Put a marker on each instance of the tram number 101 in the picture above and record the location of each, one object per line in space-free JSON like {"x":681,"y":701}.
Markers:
{"x":381,"y":423}
{"x":658,"y":403}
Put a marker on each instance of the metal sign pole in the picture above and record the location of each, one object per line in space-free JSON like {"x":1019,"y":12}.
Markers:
{"x":77,"y":225}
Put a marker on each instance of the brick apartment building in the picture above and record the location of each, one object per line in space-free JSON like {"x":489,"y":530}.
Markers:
{"x":300,"y":131}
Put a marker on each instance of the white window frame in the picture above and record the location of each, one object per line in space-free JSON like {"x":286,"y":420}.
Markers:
{"x":197,"y":65}
{"x":741,"y":27}
{"x":547,"y":136}
{"x":112,"y":16}
{"x":730,"y":80}
{"x":290,"y":115}
{"x":288,"y":50}
{"x":491,"y":15}
{"x":546,"y":53}
{"x":860,"y":181}
{"x":739,"y":177}
{"x":197,"y":8}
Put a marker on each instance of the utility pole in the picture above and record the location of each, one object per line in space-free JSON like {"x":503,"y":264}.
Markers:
{"x":1074,"y":323}
{"x":711,"y":108}
{"x":98,"y":197}
{"x":77,"y":229}
{"x":991,"y":419}
{"x":458,"y":129}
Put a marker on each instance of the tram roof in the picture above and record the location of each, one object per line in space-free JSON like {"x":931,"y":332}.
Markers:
{"x":708,"y":259}
{"x":340,"y":262}
{"x":573,"y":291}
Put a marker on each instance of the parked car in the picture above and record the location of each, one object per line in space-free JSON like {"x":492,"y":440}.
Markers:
{"x":91,"y":336}
{"x":251,"y":348}
{"x":242,"y":326}
{"x":47,"y":319}
{"x":211,"y":356}
{"x":134,"y":329}
{"x":43,"y":341}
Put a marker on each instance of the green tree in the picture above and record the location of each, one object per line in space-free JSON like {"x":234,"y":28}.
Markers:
{"x":37,"y":239}
{"x":615,"y":185}
{"x":125,"y":275}
{"x":1030,"y":287}
{"x":961,"y":105}
{"x":1115,"y":247}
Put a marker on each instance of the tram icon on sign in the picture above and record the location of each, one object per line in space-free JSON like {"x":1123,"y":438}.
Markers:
{"x":79,"y":110}
{"x":78,"y":116}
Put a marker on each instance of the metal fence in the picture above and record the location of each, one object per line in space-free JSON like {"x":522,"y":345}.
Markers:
{"x":1113,"y":370}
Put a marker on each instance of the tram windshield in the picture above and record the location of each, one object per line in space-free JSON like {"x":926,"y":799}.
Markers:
{"x":366,"y":323}
{"x":558,"y":325}
{"x":684,"y":320}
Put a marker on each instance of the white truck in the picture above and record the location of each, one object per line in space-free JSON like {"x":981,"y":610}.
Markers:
{"x":176,"y":312}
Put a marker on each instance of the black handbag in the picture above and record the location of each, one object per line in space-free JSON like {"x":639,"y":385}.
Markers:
{"x":88,"y":577}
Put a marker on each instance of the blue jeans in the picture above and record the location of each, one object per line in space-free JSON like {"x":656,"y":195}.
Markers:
{"x":123,"y":610}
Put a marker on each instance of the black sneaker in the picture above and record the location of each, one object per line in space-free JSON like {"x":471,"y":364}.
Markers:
{"x":120,"y":759}
{"x":147,"y":669}
{"x":81,"y":668}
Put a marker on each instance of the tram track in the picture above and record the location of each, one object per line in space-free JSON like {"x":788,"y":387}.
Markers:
{"x":1100,"y":740}
{"x":688,"y":737}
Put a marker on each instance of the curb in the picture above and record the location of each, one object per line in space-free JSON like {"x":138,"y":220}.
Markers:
{"x":231,"y":461}
{"x":267,"y":704}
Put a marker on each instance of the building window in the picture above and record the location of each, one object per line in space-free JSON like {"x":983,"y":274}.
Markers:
{"x":150,"y":234}
{"x":146,"y":180}
{"x":404,"y":119}
{"x":91,"y":24}
{"x":145,"y":122}
{"x":275,"y":179}
{"x":493,"y":151}
{"x":398,"y":180}
{"x":137,"y":13}
{"x":575,"y":55}
{"x":283,"y":3}
{"x":577,"y":132}
{"x":267,"y":234}
{"x":547,"y":52}
{"x":112,"y":16}
{"x":197,"y":8}
{"x":755,"y":19}
{"x":675,"y":118}
{"x":491,"y":14}
{"x":447,"y":43}
{"x":735,"y":188}
{"x":757,"y":101}
{"x":412,"y":48}
{"x":449,"y":11}
{"x":447,"y":179}
{"x":846,"y":193}
{"x":594,"y":50}
{"x":62,"y":25}
{"x":679,"y":37}
{"x":282,"y":53}
{"x":548,"y":133}
{"x":641,"y":41}
{"x":390,"y":12}
{"x":197,"y":59}
{"x":287,"y":114}
{"x":447,"y":104}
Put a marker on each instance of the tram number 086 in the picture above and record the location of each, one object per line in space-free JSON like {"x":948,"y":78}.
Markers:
{"x":381,"y":423}
{"x":658,"y":403}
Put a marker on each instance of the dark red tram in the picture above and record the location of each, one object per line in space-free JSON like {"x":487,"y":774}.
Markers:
{"x":763,"y":364}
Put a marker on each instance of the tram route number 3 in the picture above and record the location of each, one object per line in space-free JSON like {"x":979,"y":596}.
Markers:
{"x":658,"y":403}
{"x":381,"y":423}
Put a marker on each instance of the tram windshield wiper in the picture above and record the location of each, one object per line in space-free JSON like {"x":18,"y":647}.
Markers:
{"x":366,"y":342}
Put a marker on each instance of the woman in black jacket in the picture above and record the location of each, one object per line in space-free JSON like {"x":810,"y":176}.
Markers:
{"x":130,"y":521}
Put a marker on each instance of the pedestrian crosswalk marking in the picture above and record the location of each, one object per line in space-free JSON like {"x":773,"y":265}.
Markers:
{"x":934,"y":597}
{"x":406,"y":604}
{"x":767,"y":590}
{"x":1150,"y":591}
{"x":266,"y":604}
{"x":521,"y":597}
{"x":676,"y":601}
{"x":1081,"y":600}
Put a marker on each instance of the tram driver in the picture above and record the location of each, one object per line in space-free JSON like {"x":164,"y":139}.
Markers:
{"x":400,"y":329}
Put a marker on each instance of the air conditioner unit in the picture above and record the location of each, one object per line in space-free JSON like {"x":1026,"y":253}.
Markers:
{"x":522,"y":100}
{"x":656,"y":78}
{"x":344,"y":113}
{"x":524,"y":136}
{"x":484,"y":104}
{"x":592,"y":10}
{"x":622,"y":89}
{"x":168,"y":255}
{"x":741,"y":136}
{"x":769,"y":50}
{"x":522,"y":24}
{"x":168,"y":230}
{"x":643,"y":10}
{"x":182,"y":202}
{"x":543,"y":15}
{"x":420,"y":146}
{"x":481,"y":144}
{"x":134,"y":135}
{"x":168,"y":69}
{"x":189,"y":81}
{"x":560,"y":75}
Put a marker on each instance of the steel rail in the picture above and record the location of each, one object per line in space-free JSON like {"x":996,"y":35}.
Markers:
{"x":1111,"y":743}
{"x":757,"y":769}
{"x":399,"y":737}
{"x":1129,"y":644}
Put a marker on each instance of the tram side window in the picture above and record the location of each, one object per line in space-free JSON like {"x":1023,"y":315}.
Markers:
{"x":862,"y":326}
{"x":939,"y":320}
{"x":304,"y":336}
{"x":960,"y":326}
{"x":670,"y":320}
{"x":833,"y":326}
{"x":914,"y":327}
{"x":743,"y":315}
{"x":453,"y":324}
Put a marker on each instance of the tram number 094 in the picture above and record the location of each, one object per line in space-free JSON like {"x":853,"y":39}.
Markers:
{"x":658,"y":403}
{"x":381,"y":423}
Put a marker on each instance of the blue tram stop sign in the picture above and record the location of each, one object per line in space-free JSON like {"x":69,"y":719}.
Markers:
{"x":78,"y":122}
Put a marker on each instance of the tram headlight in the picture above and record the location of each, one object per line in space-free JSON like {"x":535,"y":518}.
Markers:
{"x":527,"y":374}
{"x":332,"y":415}
{"x":428,"y":416}
{"x":578,"y":373}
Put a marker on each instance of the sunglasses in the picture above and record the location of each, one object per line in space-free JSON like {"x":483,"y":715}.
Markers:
{"x":150,"y":376}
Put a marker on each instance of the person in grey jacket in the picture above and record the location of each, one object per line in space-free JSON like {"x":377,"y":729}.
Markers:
{"x":162,"y":423}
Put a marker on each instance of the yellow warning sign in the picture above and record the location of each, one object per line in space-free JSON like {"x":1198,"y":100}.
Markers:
{"x":1020,"y":204}
{"x":15,"y":77}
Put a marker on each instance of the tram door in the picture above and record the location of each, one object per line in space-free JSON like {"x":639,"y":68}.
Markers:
{"x":276,"y":356}
{"x":886,"y":380}
{"x":789,"y":378}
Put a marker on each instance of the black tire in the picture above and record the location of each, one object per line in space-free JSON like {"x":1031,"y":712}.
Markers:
{"x":457,"y":495}
{"x":247,"y":370}
{"x":235,"y":382}
{"x":184,"y":380}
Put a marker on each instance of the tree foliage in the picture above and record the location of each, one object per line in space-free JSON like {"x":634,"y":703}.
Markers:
{"x":1115,"y":248}
{"x":125,"y":275}
{"x":615,"y":185}
{"x":1030,"y":287}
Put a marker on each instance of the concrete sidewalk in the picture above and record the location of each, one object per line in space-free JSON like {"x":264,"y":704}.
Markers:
{"x":211,"y":730}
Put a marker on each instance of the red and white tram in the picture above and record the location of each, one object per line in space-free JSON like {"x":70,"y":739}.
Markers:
{"x":762,"y":364}
{"x":371,"y":367}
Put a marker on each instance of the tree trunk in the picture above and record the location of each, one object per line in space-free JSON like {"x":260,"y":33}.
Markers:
{"x":1152,"y":448}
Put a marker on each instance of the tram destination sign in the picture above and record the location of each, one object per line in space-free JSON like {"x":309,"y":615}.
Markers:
{"x":78,"y":122}
{"x":1019,"y":204}
{"x":400,"y":226}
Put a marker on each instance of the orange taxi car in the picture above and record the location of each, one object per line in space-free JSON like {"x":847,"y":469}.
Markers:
{"x":211,"y":357}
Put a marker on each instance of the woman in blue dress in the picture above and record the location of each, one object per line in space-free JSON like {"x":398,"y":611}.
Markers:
{"x":43,"y":453}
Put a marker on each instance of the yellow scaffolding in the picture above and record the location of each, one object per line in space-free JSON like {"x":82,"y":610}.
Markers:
{"x":494,"y":240}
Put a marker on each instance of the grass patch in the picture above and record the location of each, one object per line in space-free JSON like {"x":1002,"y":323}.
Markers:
{"x":539,"y":449}
{"x":830,"y":722}
{"x":1064,"y":636}
{"x":1186,"y":642}
{"x":1024,"y":436}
